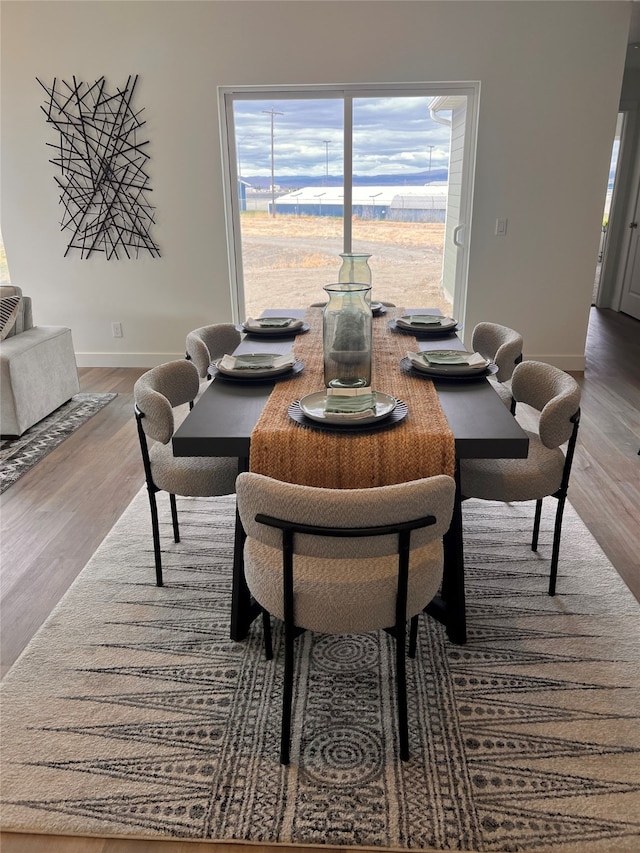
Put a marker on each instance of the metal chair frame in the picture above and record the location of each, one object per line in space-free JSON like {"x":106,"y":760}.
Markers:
{"x":152,"y":490}
{"x":398,"y":630}
{"x":561,"y":497}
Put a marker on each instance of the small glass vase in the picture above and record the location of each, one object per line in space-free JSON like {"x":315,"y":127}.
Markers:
{"x":355,"y":268}
{"x":346,"y":336}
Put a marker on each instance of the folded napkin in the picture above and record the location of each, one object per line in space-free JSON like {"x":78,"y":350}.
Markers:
{"x":271,"y":322}
{"x":448,"y":357}
{"x":426,"y":319}
{"x":259,"y":361}
{"x":360,"y":402}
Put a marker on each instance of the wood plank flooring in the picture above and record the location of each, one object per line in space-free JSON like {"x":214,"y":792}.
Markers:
{"x":55,"y":516}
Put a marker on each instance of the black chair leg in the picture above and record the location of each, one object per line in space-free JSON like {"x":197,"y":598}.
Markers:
{"x":536,"y":525}
{"x":266,"y":630}
{"x":174,"y":518}
{"x":413,"y":636}
{"x":555,"y":552}
{"x":287,"y":695}
{"x":401,"y":680}
{"x":156,"y":536}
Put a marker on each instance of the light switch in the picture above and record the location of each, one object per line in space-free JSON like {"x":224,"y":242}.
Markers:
{"x":501,"y":227}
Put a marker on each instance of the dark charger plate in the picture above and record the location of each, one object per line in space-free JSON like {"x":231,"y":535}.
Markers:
{"x":397,"y":415}
{"x":297,"y":367}
{"x":425,"y":332}
{"x":273,"y":334}
{"x":407,"y":367}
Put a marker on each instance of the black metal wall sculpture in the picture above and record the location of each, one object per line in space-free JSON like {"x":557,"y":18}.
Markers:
{"x":104,"y":185}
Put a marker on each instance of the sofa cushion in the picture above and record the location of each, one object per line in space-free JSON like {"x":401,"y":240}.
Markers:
{"x":9,"y":308}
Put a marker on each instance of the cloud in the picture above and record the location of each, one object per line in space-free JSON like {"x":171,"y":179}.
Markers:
{"x":392,"y":135}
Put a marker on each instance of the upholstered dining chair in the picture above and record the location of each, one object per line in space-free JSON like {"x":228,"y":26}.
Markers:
{"x":208,"y":343}
{"x":156,"y":393}
{"x":344,"y":561}
{"x":546,"y":470}
{"x":504,"y":347}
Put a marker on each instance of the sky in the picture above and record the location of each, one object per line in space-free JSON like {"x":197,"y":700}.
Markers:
{"x":392,"y":136}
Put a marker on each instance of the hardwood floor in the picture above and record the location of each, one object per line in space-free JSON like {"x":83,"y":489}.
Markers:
{"x":55,"y":516}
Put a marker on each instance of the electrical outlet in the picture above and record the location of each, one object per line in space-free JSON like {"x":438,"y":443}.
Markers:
{"x":116,"y":330}
{"x":501,"y":227}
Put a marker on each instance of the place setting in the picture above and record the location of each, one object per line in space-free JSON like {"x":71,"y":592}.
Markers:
{"x":448,"y":365}
{"x":425,"y":325}
{"x":256,"y":367}
{"x":348,"y":409}
{"x":273,"y":327}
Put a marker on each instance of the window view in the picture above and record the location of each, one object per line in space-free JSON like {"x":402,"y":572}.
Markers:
{"x":316,"y":179}
{"x":613,"y":166}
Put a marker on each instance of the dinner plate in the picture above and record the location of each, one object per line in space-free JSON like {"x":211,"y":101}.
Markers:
{"x":425,"y":331}
{"x":313,"y":406}
{"x":254,"y":371}
{"x":458,"y":369}
{"x":275,"y":331}
{"x":398,"y":414}
{"x":273,"y":374}
{"x":433,"y":372}
{"x":377,"y":308}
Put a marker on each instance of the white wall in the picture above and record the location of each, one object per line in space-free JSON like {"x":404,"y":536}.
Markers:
{"x":550,"y":72}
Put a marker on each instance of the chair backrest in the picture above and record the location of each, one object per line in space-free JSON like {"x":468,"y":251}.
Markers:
{"x":207,"y":343}
{"x":159,"y":390}
{"x":551,"y":391}
{"x":499,"y":343}
{"x":344,"y":508}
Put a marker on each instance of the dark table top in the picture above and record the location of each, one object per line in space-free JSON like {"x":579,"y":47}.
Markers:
{"x":220,"y":424}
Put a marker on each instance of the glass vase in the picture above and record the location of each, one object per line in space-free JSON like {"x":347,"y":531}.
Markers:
{"x":355,"y":268}
{"x":346,"y":336}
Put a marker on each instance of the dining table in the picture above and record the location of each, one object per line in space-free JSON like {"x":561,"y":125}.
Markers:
{"x":222,"y":421}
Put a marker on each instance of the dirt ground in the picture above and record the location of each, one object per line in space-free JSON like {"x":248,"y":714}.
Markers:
{"x":288,"y":260}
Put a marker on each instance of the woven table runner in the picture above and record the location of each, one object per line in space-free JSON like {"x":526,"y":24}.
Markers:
{"x":422,"y":445}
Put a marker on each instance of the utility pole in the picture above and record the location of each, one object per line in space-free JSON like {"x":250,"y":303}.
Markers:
{"x":272,"y":113}
{"x":431,"y":147}
{"x":326,"y":143}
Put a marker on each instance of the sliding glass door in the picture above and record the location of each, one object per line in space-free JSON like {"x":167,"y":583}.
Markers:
{"x":312,"y":174}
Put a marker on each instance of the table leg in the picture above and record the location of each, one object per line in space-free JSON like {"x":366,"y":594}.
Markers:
{"x":243,"y":608}
{"x":450,"y":607}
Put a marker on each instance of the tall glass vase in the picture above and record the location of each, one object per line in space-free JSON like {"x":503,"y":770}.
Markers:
{"x":346,"y":336}
{"x":355,"y":268}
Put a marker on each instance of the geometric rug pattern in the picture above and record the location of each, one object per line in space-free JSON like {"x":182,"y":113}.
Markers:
{"x":132,"y":713}
{"x":19,"y":455}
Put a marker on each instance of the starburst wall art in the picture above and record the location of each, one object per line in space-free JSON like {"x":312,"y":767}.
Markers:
{"x":101,"y":160}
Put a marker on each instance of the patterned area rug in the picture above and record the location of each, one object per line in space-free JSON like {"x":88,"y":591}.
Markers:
{"x":132,"y":713}
{"x":19,"y":455}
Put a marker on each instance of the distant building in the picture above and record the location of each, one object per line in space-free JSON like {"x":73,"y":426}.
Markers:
{"x":427,"y":203}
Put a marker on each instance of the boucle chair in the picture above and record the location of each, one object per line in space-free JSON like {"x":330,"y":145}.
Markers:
{"x":344,"y":561}
{"x":156,"y":393}
{"x":546,"y":470}
{"x":504,"y":347}
{"x":208,"y":343}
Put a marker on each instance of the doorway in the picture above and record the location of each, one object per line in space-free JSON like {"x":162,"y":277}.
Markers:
{"x":311,"y":174}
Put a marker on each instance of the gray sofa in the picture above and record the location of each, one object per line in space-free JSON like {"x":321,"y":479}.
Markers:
{"x":38,"y":371}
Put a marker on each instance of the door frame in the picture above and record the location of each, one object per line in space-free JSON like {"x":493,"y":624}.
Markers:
{"x":228,"y":94}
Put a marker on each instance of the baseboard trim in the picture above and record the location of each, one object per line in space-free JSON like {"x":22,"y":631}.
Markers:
{"x":125,"y":359}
